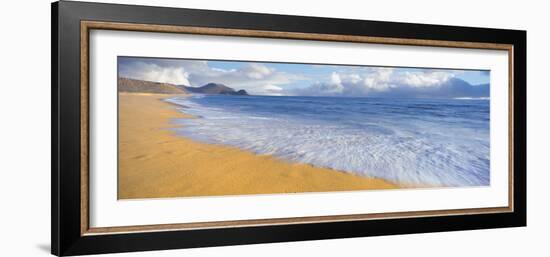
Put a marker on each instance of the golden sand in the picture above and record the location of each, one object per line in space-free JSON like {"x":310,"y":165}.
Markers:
{"x":154,"y":162}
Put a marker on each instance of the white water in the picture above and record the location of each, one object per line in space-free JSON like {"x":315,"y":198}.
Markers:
{"x":388,"y":142}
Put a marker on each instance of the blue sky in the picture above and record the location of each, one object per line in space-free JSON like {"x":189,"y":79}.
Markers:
{"x":264,"y":78}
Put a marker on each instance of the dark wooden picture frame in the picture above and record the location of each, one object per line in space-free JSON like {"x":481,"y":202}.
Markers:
{"x":71,"y":23}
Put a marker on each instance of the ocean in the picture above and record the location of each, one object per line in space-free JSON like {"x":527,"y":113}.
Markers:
{"x":414,"y":142}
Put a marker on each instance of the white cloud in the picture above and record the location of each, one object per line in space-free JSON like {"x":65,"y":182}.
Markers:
{"x":377,"y":81}
{"x":426,"y":79}
{"x":154,"y":72}
{"x":345,"y":83}
{"x":256,"y":71}
{"x":335,"y":78}
{"x":169,"y":75}
{"x":272,"y":90}
{"x":258,"y":78}
{"x":255,"y":78}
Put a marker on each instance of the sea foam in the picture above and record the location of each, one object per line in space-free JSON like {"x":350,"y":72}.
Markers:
{"x":405,"y":141}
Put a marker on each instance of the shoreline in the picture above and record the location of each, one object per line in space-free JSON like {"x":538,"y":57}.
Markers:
{"x":154,"y":162}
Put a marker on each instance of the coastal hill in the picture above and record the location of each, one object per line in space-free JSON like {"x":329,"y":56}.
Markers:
{"x":214,"y":89}
{"x":142,"y":86}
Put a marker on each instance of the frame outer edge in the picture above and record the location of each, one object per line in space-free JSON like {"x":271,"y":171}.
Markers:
{"x":67,"y":154}
{"x":64,"y":222}
{"x":524,"y":135}
{"x":520,"y":125}
{"x":55,"y":129}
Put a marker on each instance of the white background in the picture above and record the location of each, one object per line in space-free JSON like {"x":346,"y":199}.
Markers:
{"x":25,"y":128}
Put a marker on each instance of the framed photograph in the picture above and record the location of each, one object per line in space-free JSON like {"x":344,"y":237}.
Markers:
{"x":178,"y":128}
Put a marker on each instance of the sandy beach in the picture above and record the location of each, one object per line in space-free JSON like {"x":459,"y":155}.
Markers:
{"x":154,"y":162}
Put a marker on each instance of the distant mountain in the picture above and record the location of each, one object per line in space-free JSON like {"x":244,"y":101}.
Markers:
{"x":453,"y":88}
{"x":459,"y":88}
{"x":142,"y":86}
{"x":214,"y":89}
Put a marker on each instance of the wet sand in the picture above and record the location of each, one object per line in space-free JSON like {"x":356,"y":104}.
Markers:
{"x":154,"y":162}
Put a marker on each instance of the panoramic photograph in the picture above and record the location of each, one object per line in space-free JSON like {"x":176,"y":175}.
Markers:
{"x":189,"y":127}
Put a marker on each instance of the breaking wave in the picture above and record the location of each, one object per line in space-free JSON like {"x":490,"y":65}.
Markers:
{"x":406,"y":141}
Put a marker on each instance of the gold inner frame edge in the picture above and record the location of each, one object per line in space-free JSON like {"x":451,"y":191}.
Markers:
{"x":86,"y":26}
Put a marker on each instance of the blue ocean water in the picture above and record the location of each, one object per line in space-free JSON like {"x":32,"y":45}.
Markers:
{"x":428,"y":142}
